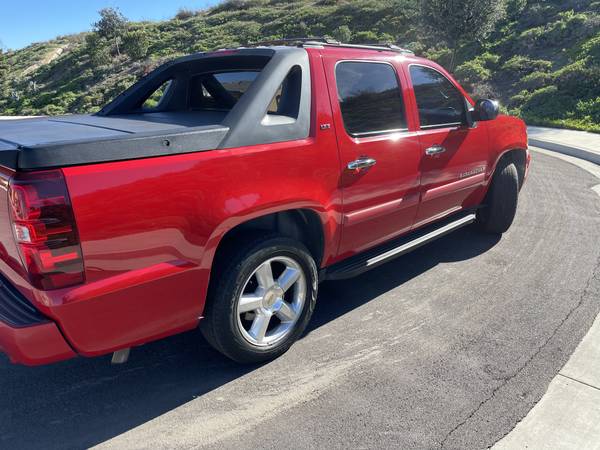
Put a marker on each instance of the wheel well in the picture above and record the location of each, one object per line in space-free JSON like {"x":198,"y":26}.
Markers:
{"x":303,"y":225}
{"x":519,"y":158}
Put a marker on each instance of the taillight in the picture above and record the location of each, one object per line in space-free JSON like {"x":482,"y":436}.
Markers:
{"x":44,"y":229}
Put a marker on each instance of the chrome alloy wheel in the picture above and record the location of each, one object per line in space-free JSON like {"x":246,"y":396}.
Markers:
{"x":271,"y":301}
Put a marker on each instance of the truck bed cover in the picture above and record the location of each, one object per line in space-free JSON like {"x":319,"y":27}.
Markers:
{"x":71,"y":140}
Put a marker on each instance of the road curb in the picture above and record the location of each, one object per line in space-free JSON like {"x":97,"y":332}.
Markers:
{"x":568,"y":414}
{"x":576,"y":152}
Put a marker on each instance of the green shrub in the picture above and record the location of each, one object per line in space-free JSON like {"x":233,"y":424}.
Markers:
{"x":478,"y":70}
{"x":365,"y":37}
{"x":98,"y":50}
{"x":589,"y":109}
{"x":343,"y":34}
{"x":100,"y":56}
{"x":472,"y":72}
{"x":235,"y":5}
{"x":524,"y":65}
{"x":579,"y":79}
{"x":569,"y":25}
{"x":52,"y":110}
{"x":548,"y":102}
{"x":135,"y":44}
{"x":591,"y":49}
{"x":184,"y":14}
{"x":441,"y":55}
{"x":535,"y":80}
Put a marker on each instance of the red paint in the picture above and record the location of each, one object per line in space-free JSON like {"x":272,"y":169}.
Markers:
{"x":149,"y":228}
{"x":40,"y":344}
{"x":373,"y":211}
{"x":395,"y":176}
{"x":458,"y":186}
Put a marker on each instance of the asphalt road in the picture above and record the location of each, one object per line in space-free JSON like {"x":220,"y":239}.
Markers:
{"x":449,"y":346}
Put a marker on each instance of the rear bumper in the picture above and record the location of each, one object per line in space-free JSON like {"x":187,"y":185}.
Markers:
{"x":34,"y":345}
{"x":27,"y":336}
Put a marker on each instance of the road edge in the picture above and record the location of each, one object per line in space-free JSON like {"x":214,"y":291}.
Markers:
{"x":576,"y":152}
{"x":568,"y":414}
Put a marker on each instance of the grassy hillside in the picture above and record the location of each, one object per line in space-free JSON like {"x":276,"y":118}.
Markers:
{"x":542,"y":61}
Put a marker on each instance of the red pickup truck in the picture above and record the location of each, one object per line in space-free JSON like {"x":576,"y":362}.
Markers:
{"x":221,"y":189}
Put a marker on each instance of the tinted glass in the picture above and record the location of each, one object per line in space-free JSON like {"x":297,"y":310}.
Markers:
{"x":220,"y":91}
{"x":236,"y":83}
{"x":369,"y":97}
{"x":439,"y":102}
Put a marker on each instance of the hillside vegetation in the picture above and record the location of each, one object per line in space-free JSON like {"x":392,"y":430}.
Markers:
{"x":541,"y":58}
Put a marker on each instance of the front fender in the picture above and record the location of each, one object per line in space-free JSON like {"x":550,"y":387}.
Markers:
{"x":506,"y":134}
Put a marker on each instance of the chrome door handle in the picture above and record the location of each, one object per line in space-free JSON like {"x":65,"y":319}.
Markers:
{"x":361,"y":163}
{"x":435,"y":150}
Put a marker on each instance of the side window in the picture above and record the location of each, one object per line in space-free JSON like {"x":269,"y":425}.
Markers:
{"x":370,"y":98}
{"x":438,"y":100}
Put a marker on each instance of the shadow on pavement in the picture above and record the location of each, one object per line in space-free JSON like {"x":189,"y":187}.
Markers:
{"x":83,"y":402}
{"x":339,"y":297}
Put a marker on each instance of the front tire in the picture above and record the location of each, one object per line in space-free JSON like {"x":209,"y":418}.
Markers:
{"x":262,"y":300}
{"x":501,"y":201}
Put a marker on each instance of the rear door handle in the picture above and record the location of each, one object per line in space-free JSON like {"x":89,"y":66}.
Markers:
{"x":435,"y":150}
{"x":361,"y":163}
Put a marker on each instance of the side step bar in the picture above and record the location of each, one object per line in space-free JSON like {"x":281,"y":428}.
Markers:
{"x":370,"y":259}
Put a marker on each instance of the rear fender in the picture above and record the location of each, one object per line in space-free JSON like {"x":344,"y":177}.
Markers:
{"x":329,"y":222}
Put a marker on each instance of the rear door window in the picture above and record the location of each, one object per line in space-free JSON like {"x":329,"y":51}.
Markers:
{"x":439,"y":102}
{"x":370,"y":98}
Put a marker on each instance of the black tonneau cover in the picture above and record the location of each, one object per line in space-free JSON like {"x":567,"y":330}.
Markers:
{"x":71,"y":140}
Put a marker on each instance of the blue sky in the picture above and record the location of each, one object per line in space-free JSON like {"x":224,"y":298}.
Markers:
{"x":26,"y":21}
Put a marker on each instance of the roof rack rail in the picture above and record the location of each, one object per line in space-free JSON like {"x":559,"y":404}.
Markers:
{"x":296,"y":41}
{"x":328,"y":42}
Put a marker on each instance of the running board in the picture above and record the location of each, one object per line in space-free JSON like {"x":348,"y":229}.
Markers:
{"x":370,"y":259}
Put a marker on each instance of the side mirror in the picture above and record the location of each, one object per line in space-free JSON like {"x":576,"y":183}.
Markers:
{"x":485,"y":109}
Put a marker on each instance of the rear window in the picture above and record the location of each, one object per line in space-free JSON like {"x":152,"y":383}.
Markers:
{"x":220,"y":91}
{"x":370,"y":98}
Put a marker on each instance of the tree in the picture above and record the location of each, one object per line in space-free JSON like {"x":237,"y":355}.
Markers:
{"x":112,"y":25}
{"x":461,"y":21}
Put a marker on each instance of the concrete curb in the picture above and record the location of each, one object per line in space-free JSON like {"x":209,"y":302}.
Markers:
{"x":17,"y":117}
{"x":566,"y":150}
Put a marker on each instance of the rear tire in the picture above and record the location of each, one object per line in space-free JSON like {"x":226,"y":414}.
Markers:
{"x":261,"y":299}
{"x":501,"y":201}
